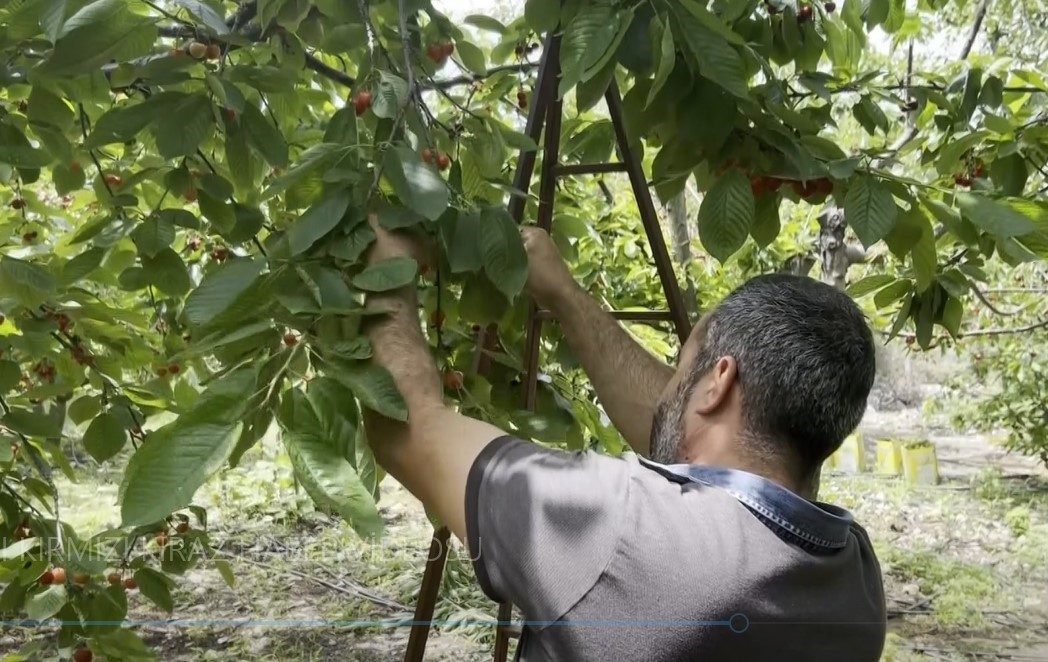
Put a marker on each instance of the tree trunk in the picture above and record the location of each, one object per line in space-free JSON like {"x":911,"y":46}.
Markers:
{"x":836,"y":255}
{"x":680,"y":239}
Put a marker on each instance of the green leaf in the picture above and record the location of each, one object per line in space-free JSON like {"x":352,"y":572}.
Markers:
{"x":892,"y":293}
{"x":869,"y":285}
{"x":472,"y":57}
{"x":387,"y":275}
{"x":955,"y":147}
{"x":870,"y":209}
{"x":390,"y":95}
{"x":220,"y":289}
{"x":352,"y":246}
{"x":1010,"y":174}
{"x":10,"y":375}
{"x":924,"y":259}
{"x":586,"y":39}
{"x":153,"y":235}
{"x":171,"y":465}
{"x":666,"y":56}
{"x":952,"y":313}
{"x":725,"y":215}
{"x":766,"y":224}
{"x":16,"y":550}
{"x":167,"y":272}
{"x":226,"y":571}
{"x":1004,"y":218}
{"x":265,"y":138}
{"x":416,"y":183}
{"x":29,"y":283}
{"x":485,"y":23}
{"x":105,"y":437}
{"x":208,"y":16}
{"x":502,"y":251}
{"x":184,"y":126}
{"x":45,"y":604}
{"x":716,"y":58}
{"x":32,"y":424}
{"x":463,"y":246}
{"x":99,"y":33}
{"x":542,"y":15}
{"x":122,"y":644}
{"x":156,"y":587}
{"x":320,"y":219}
{"x":331,"y":481}
{"x":374,"y":387}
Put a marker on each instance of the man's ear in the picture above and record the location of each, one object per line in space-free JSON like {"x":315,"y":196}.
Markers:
{"x":712,"y":391}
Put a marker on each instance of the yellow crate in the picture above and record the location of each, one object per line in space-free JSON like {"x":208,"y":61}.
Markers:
{"x":920,"y":465}
{"x":889,"y":457}
{"x":851,"y":456}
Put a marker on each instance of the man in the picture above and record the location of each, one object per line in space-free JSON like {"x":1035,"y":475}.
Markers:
{"x":707,"y":551}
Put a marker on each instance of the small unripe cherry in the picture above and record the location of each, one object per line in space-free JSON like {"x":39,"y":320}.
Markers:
{"x":114,"y":579}
{"x":213,"y":51}
{"x":198,"y":50}
{"x":81,"y":578}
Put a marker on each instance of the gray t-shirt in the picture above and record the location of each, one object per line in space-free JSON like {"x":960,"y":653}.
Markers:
{"x":611,"y":561}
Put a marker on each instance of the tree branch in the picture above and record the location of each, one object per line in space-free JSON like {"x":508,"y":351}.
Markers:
{"x":980,"y":15}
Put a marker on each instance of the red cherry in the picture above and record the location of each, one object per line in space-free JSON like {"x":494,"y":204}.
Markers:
{"x":191,"y":194}
{"x":130,"y":583}
{"x":290,"y":339}
{"x":182,"y":527}
{"x":362,"y":102}
{"x":114,"y":180}
{"x":59,"y":575}
{"x":435,"y":52}
{"x":114,"y":579}
{"x":427,"y":155}
{"x":758,"y":186}
{"x":805,"y":189}
{"x":47,"y":578}
{"x":18,"y":203}
{"x":83,"y":655}
{"x":161,"y":372}
{"x":443,"y":161}
{"x":448,"y":49}
{"x":229,"y":114}
{"x":804,"y":14}
{"x":453,"y":380}
{"x":174,"y":368}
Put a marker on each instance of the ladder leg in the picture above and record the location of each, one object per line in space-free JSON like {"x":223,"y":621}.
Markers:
{"x":648,"y":216}
{"x":427,"y":595}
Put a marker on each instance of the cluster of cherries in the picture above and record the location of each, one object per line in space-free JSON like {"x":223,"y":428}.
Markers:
{"x":804,"y":12}
{"x":437,"y":158}
{"x":974,"y":172}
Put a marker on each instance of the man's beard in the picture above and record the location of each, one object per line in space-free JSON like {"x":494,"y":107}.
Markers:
{"x":667,"y":429}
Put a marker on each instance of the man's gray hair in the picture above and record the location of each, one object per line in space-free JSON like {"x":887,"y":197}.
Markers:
{"x":806,"y":364}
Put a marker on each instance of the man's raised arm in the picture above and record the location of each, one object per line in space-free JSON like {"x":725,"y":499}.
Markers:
{"x":627,"y":378}
{"x":431,"y":454}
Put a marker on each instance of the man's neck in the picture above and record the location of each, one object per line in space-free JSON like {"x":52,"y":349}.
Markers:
{"x":768,"y":470}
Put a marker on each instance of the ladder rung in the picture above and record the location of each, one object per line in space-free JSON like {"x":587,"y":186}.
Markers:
{"x":642,"y":315}
{"x":588,"y":168}
{"x":512,"y":631}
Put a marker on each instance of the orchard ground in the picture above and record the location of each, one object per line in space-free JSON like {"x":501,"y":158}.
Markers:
{"x":965,"y":563}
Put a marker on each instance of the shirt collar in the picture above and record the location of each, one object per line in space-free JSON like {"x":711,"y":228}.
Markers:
{"x":817,"y":523}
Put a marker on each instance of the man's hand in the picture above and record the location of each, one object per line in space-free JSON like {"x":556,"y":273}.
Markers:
{"x":549,"y":281}
{"x":389,"y":244}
